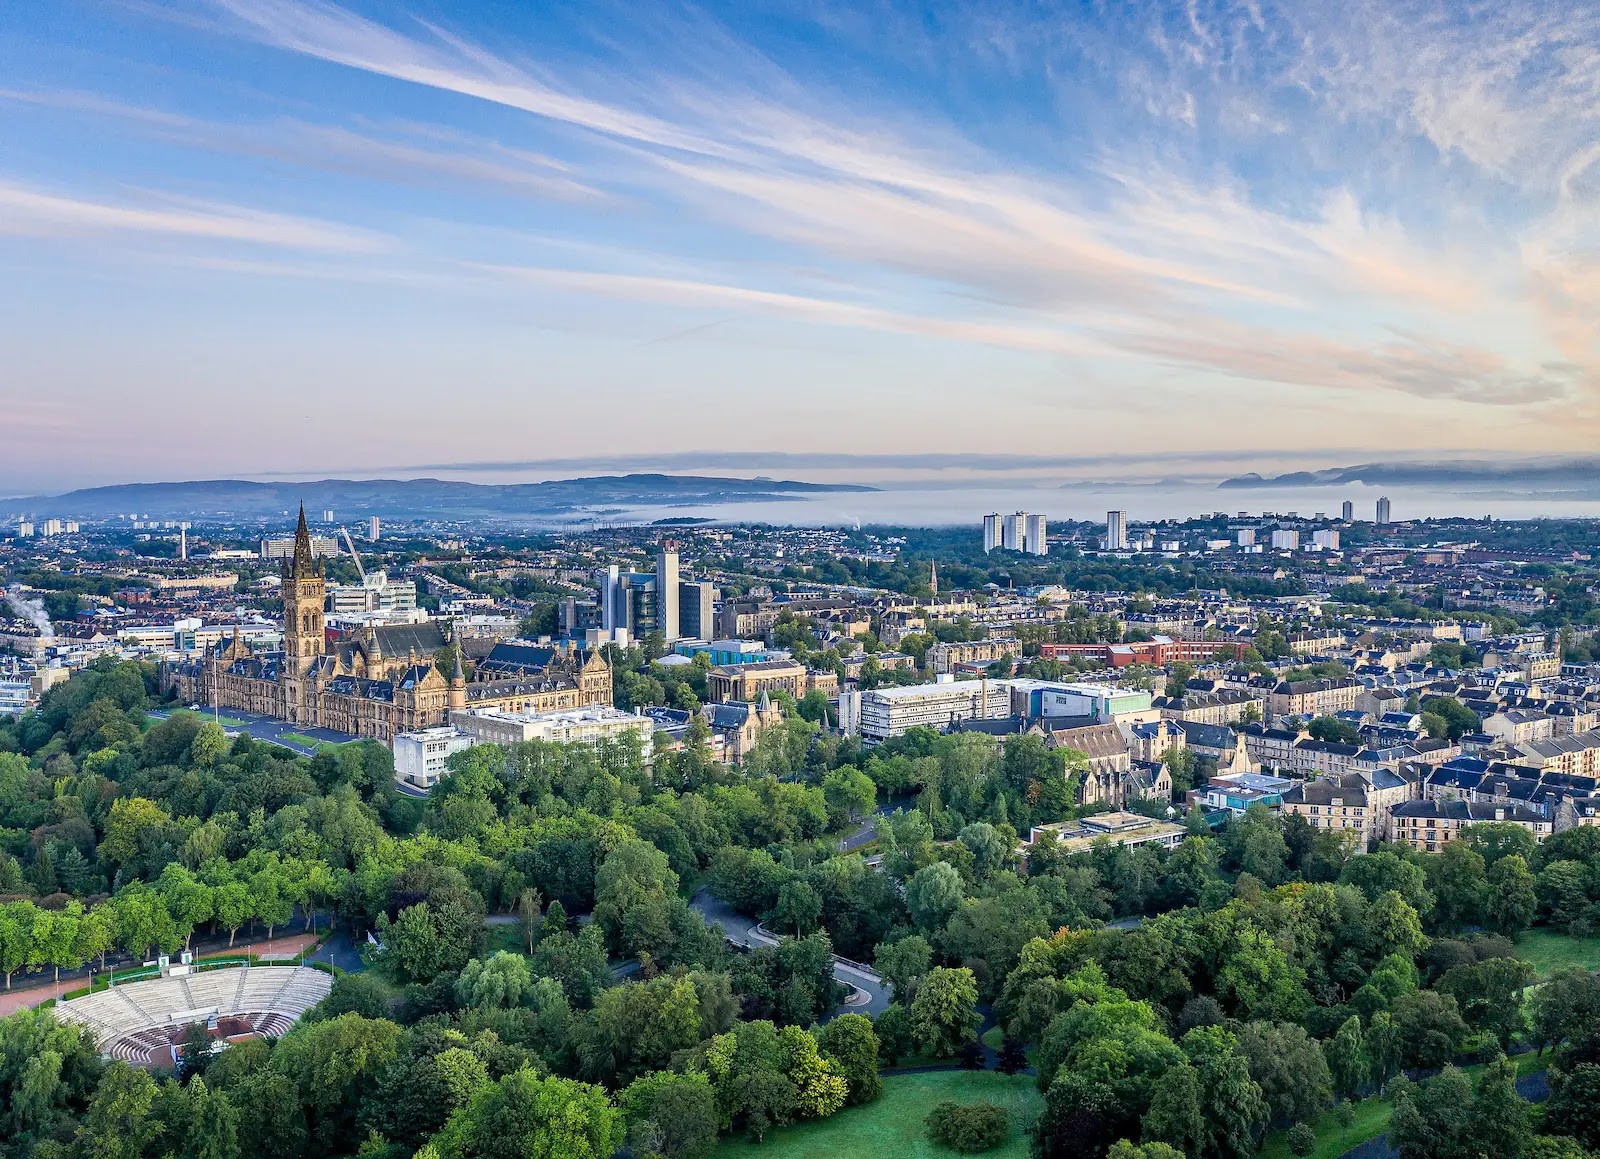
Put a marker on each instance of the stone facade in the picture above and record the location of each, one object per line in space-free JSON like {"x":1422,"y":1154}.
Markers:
{"x":377,"y":683}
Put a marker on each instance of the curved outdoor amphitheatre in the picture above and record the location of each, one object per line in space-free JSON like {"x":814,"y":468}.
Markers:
{"x":143,"y":1022}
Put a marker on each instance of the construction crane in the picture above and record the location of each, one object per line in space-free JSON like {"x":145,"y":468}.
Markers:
{"x":348,"y":542}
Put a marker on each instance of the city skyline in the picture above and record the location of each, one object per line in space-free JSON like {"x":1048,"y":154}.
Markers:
{"x":317,"y":238}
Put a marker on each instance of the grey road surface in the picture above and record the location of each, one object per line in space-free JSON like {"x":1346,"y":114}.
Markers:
{"x":267,"y":729}
{"x":747,"y":932}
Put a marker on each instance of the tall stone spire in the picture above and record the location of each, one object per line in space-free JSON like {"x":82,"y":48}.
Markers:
{"x":456,"y":697}
{"x":304,"y":564}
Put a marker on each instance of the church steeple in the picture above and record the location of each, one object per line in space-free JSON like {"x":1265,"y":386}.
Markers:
{"x":456,"y":697}
{"x":304,"y":563}
{"x":303,"y":594}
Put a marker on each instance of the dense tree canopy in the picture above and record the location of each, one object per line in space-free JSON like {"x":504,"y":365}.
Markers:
{"x":545,"y":984}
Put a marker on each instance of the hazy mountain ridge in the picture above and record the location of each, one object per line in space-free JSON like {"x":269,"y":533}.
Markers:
{"x":1564,"y":475}
{"x":413,"y":498}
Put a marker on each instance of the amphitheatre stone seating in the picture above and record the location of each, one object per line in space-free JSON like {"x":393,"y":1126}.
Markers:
{"x":129,"y":1020}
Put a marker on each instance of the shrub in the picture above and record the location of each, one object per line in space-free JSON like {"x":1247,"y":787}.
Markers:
{"x":969,"y":1128}
{"x":1302,"y":1139}
{"x":1013,"y":1059}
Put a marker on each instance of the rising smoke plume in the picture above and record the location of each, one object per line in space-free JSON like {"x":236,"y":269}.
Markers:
{"x":31,"y":610}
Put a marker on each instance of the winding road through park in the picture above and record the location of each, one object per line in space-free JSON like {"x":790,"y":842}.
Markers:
{"x":869,"y":994}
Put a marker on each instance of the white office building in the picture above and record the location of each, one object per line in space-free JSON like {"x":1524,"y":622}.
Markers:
{"x":1247,"y":536}
{"x":1034,"y":536}
{"x":1285,"y":541}
{"x":991,"y":532}
{"x":420,"y":757}
{"x":15,"y":696}
{"x":284,"y":548}
{"x":1012,"y":530}
{"x":586,"y":725}
{"x":1116,"y":531}
{"x":1383,"y":510}
{"x":667,"y":593}
{"x":1326,"y":540}
{"x":641,"y":602}
{"x":376,"y":593}
{"x":881,"y":713}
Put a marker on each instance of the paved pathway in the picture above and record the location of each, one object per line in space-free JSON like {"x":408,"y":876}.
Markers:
{"x":869,"y":993}
{"x":340,"y":951}
{"x":270,"y":729}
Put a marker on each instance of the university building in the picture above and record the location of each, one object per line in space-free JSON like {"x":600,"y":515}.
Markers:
{"x":379,"y":682}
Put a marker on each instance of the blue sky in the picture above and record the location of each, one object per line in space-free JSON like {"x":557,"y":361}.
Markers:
{"x":241,"y":236}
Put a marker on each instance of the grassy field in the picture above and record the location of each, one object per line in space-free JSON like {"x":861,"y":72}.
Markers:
{"x":312,"y":742}
{"x":892,"y":1126}
{"x":1548,"y":951}
{"x":509,"y":938}
{"x":223,"y":719}
{"x":1371,"y":1119}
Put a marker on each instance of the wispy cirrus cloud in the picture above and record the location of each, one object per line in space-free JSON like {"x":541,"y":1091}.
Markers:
{"x":400,"y":152}
{"x":684,"y":293}
{"x":333,"y":34}
{"x":33,"y":212}
{"x":1235,"y":201}
{"x":1130,"y":262}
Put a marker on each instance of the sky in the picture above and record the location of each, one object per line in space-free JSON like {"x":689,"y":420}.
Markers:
{"x":245,"y":238}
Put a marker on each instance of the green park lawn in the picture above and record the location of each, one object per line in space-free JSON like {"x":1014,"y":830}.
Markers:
{"x":223,"y":719}
{"x":322,"y":746}
{"x":891,"y":1127}
{"x":1371,"y":1119}
{"x":1548,"y":951}
{"x":504,"y":937}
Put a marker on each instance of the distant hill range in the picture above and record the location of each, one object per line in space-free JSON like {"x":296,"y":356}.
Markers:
{"x":418,"y":498}
{"x":1574,"y":476}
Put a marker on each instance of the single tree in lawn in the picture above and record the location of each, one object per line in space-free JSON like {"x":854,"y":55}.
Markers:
{"x":528,"y":916}
{"x":944,"y":1014}
{"x":851,"y":1045}
{"x":1347,"y":1059}
{"x":1500,"y":1122}
{"x":1513,"y":902}
{"x":1384,"y":1048}
{"x":1566,"y":1007}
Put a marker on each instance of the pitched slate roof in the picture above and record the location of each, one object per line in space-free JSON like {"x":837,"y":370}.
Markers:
{"x":399,"y":639}
{"x":508,"y":659}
